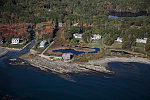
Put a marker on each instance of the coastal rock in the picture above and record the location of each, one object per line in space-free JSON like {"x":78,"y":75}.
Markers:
{"x":3,"y":51}
{"x":65,"y":67}
{"x":15,"y":61}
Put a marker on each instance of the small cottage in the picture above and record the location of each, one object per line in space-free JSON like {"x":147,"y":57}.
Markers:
{"x":119,"y":39}
{"x":79,"y":36}
{"x":67,"y":56}
{"x":49,"y":10}
{"x":43,"y":43}
{"x":76,"y":24}
{"x":60,"y":24}
{"x":141,"y":40}
{"x":1,"y":41}
{"x":15,"y":41}
{"x":96,"y":37}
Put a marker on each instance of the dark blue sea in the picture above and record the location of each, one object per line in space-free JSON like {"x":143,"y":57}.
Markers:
{"x":131,"y":81}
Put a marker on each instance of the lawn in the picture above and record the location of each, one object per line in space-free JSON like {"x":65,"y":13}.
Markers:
{"x":13,"y":45}
{"x":140,"y":47}
{"x":96,"y":44}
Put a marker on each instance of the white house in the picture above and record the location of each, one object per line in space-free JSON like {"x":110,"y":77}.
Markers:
{"x":60,"y":24}
{"x":49,"y":10}
{"x":43,"y":43}
{"x":96,"y":37}
{"x":1,"y":41}
{"x":119,"y":39}
{"x":15,"y":41}
{"x":79,"y":36}
{"x":76,"y":24}
{"x":141,"y":40}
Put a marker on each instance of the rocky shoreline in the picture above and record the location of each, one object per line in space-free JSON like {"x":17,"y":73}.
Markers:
{"x":105,"y":61}
{"x":65,"y":67}
{"x":61,"y":67}
{"x":98,"y":66}
{"x":3,"y":51}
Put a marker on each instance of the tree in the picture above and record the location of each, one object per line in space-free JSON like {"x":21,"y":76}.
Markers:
{"x":75,"y":41}
{"x":68,"y":35}
{"x":87,"y":36}
{"x":128,"y":41}
{"x":147,"y":47}
{"x":108,"y":40}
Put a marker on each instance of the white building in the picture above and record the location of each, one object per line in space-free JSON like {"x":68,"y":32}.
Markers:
{"x":43,"y":43}
{"x":67,"y":56}
{"x":96,"y":37}
{"x":141,"y":40}
{"x":1,"y":41}
{"x":79,"y":36}
{"x":76,"y":24}
{"x":15,"y":41}
{"x":49,"y":10}
{"x":60,"y":24}
{"x":119,"y":39}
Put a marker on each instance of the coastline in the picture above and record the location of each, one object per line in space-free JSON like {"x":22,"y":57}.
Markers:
{"x":99,"y":66}
{"x":64,"y":67}
{"x":61,"y":67}
{"x":3,"y":51}
{"x":16,"y":49}
{"x":107,"y":60}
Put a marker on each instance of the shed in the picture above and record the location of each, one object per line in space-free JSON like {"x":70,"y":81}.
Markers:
{"x":1,"y":40}
{"x":76,"y":24}
{"x":49,"y":10}
{"x":60,"y":24}
{"x":67,"y":56}
{"x":43,"y":43}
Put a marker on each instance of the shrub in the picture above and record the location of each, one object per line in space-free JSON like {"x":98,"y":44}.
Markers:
{"x":88,"y":56}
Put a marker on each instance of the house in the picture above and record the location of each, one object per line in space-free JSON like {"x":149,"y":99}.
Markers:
{"x":43,"y":43}
{"x":76,"y":24}
{"x":1,"y":41}
{"x":67,"y":56}
{"x":15,"y":41}
{"x":60,"y":24}
{"x":79,"y":36}
{"x":119,"y":39}
{"x":141,"y":40}
{"x":96,"y":37}
{"x":49,"y":10}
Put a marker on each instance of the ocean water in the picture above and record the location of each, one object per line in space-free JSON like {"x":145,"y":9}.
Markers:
{"x":130,"y":82}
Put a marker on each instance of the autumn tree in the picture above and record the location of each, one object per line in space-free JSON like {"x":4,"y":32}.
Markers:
{"x":147,"y":47}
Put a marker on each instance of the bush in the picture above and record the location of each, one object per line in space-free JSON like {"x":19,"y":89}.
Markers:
{"x":88,"y":56}
{"x":75,"y":41}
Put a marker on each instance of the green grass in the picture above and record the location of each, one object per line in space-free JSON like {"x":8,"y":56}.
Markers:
{"x":13,"y":45}
{"x":140,"y":45}
{"x":96,"y":44}
{"x":140,"y":48}
{"x":117,"y":45}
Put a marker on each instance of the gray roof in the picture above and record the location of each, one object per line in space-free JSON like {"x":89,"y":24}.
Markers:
{"x":66,"y":56}
{"x":42,"y":44}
